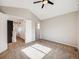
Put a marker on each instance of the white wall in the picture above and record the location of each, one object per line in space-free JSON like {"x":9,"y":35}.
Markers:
{"x":37,"y":30}
{"x":62,"y":29}
{"x":24,"y":13}
{"x":3,"y":32}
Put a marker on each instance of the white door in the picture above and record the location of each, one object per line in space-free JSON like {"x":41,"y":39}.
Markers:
{"x":29,"y":31}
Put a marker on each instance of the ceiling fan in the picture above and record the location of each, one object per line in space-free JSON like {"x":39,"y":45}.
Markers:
{"x":44,"y":2}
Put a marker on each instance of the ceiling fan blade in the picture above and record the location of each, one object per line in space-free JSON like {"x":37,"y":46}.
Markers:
{"x":37,"y":2}
{"x":42,"y":5}
{"x":43,"y":0}
{"x":50,"y":2}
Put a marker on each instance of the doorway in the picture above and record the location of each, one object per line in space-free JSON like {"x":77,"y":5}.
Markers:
{"x":9,"y":30}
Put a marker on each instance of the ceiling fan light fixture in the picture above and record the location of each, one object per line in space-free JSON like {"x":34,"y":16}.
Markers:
{"x":45,"y":2}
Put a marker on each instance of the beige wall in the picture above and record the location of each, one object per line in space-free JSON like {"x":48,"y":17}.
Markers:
{"x":61,"y":29}
{"x":78,"y":30}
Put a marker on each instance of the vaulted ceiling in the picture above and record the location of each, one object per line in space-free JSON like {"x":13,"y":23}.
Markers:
{"x":60,"y":7}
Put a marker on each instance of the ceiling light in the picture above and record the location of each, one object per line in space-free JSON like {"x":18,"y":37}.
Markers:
{"x":45,"y":2}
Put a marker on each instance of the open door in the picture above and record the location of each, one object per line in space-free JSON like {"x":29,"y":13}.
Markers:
{"x":9,"y":31}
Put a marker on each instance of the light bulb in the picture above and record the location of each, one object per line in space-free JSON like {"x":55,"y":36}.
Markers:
{"x":45,"y":2}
